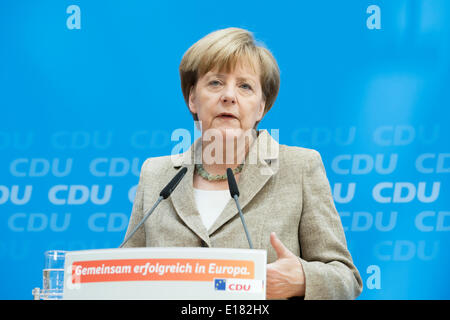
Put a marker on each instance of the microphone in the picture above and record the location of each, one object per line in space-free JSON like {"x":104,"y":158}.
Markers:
{"x":234,"y":192}
{"x":164,"y":194}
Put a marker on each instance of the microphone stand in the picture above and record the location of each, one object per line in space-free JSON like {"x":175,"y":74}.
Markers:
{"x":243,"y":221}
{"x":165,"y":193}
{"x":234,"y":192}
{"x":149,"y":212}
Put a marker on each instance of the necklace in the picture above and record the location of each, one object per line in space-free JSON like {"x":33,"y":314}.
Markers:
{"x":211,"y":177}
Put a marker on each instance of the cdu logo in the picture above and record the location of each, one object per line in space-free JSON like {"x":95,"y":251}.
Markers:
{"x":220,"y":284}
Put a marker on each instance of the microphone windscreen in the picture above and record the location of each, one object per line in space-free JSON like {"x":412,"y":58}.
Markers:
{"x":232,"y":183}
{"x":165,"y":193}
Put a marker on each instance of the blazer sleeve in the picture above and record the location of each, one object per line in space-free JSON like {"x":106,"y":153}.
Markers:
{"x":138,"y":240}
{"x":327,"y":263}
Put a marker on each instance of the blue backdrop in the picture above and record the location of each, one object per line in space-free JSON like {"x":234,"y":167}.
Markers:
{"x":90,"y":89}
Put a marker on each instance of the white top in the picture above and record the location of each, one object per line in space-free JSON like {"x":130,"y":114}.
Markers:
{"x":210,"y":204}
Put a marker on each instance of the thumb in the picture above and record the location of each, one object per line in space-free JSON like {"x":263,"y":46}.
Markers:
{"x":280,"y":249}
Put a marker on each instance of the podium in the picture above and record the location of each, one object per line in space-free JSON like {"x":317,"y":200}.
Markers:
{"x":175,"y":273}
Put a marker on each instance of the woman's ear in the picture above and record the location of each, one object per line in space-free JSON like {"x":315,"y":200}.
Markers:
{"x":191,"y":100}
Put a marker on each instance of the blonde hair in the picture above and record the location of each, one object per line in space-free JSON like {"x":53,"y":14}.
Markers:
{"x":223,"y":49}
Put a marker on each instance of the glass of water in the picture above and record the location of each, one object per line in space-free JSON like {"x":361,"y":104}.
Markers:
{"x":53,"y":275}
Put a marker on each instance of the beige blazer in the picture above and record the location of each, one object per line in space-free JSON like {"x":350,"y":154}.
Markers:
{"x":282,"y":189}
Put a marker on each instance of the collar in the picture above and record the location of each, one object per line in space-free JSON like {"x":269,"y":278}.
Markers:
{"x":263,"y":151}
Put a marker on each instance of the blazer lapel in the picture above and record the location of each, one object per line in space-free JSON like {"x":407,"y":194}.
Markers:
{"x":261,"y":163}
{"x":183,"y":196}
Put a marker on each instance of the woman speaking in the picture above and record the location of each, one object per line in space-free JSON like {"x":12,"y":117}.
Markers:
{"x":229,"y":83}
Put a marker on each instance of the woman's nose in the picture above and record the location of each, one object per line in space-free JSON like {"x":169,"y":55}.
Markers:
{"x":229,"y":95}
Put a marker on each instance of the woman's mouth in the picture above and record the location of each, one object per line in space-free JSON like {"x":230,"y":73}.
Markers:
{"x":227,"y":116}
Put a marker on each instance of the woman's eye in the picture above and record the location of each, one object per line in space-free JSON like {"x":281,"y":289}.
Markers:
{"x":214,"y":83}
{"x":246,"y":86}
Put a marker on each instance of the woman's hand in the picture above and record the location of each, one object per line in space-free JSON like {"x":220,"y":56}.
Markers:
{"x":285,"y":276}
